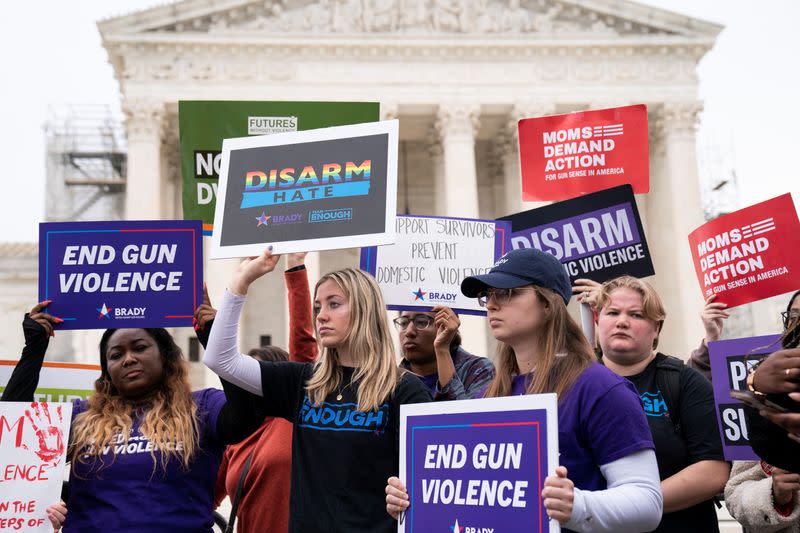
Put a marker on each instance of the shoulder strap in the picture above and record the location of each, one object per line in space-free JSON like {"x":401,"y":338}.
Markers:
{"x":668,"y":379}
{"x":238,"y":494}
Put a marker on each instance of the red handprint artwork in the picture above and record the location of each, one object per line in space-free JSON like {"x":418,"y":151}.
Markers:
{"x":49,"y":436}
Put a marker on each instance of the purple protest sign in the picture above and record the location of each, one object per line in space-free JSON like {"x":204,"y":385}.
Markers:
{"x":477,"y":466}
{"x":121,"y":274}
{"x":430,"y":259}
{"x":730,"y":364}
{"x":598,"y":236}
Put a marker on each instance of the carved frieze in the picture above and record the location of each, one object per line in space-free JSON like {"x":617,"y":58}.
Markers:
{"x":345,"y":17}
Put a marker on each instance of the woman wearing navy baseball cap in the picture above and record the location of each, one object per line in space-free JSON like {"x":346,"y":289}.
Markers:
{"x":608,"y":479}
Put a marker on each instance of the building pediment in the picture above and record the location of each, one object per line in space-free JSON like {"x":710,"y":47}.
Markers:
{"x":448,"y":18}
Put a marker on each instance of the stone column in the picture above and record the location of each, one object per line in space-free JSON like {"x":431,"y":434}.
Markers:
{"x":674,"y":209}
{"x":457,"y":125}
{"x":510,"y":154}
{"x":145,"y":192}
{"x":436,"y":153}
{"x":457,"y":191}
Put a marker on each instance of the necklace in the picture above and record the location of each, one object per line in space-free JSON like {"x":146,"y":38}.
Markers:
{"x":341,"y":390}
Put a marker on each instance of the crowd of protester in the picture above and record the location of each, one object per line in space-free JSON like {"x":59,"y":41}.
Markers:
{"x":639,"y":443}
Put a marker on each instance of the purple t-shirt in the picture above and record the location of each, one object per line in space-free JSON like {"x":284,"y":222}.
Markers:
{"x":600,"y":420}
{"x":128,"y":496}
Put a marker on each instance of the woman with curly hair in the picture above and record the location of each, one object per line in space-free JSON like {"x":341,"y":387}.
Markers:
{"x":144,"y":448}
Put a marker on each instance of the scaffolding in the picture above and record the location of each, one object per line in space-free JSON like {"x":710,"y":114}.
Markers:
{"x":86,"y":163}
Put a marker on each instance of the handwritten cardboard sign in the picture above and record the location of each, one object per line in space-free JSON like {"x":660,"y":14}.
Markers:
{"x":33,"y":447}
{"x":303,"y":191}
{"x":121,"y":274}
{"x":564,"y":156}
{"x":430,"y":259}
{"x":598,"y":236}
{"x":750,"y":254}
{"x":478,"y":465}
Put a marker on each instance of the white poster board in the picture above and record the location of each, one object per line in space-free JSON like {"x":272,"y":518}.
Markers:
{"x":58,"y":382}
{"x":430,"y":259}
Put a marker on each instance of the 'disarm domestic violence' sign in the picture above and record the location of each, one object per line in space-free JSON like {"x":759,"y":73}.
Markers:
{"x":478,"y":465}
{"x":731,"y":361}
{"x":564,"y":156}
{"x":598,"y":236}
{"x":305,"y":191}
{"x":750,"y":254}
{"x":430,"y":259}
{"x":121,"y":274}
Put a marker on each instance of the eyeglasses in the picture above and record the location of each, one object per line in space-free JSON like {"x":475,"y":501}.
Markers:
{"x":501,"y":296}
{"x":791,"y":316}
{"x":420,"y":322}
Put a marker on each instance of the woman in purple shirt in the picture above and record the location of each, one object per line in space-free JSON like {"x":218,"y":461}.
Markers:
{"x":608,"y":478}
{"x":144,"y":448}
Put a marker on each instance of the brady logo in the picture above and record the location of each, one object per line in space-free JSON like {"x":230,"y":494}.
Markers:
{"x":442,"y":296}
{"x":330,"y":215}
{"x":268,"y":125}
{"x":456,"y":528}
{"x":501,"y":261}
{"x":104,"y":310}
{"x":129,"y":312}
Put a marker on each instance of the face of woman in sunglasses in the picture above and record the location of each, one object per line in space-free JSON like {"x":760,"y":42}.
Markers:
{"x":417,"y":333}
{"x":513,"y":314}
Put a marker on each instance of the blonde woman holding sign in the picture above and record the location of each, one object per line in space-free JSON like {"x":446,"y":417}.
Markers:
{"x":608,"y":480}
{"x":345,"y":408}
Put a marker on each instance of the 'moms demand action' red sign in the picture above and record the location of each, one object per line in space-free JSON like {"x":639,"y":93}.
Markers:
{"x":565,"y":156}
{"x":750,"y":254}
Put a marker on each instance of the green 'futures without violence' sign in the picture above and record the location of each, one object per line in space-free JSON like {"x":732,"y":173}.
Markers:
{"x":204,"y":124}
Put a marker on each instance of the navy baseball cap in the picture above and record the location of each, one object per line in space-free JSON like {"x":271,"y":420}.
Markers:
{"x":521,"y":267}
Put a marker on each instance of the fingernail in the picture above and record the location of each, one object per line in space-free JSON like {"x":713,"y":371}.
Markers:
{"x":59,"y":320}
{"x":269,"y":247}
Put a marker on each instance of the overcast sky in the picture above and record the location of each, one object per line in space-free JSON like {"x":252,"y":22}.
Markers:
{"x":50,"y":55}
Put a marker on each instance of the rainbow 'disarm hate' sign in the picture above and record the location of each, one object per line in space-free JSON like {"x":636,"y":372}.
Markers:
{"x":303,"y":191}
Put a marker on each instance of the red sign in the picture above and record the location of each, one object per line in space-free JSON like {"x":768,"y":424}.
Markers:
{"x":565,"y":156}
{"x":750,"y":254}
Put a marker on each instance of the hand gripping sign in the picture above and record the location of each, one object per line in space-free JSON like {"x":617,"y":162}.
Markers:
{"x":564,"y":156}
{"x":121,"y":274}
{"x":750,"y":254}
{"x":430,"y":259}
{"x":305,"y":191}
{"x":33,"y":442}
{"x":478,"y":466}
